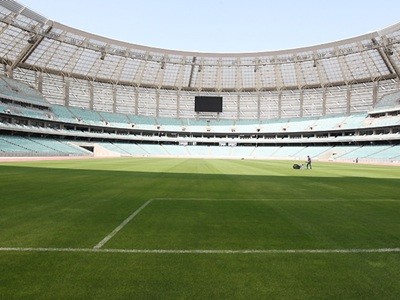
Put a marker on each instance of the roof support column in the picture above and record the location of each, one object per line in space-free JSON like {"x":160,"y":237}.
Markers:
{"x":9,"y":71}
{"x":348,"y":99}
{"x":157,"y":103}
{"x":91,"y":95}
{"x":324,"y":101}
{"x":136,"y":101}
{"x":178,"y":104}
{"x":301,"y":103}
{"x":39,"y":81}
{"x":219,"y":75}
{"x":280,"y":104}
{"x":114,"y":98}
{"x":191,"y":71}
{"x":238,"y":107}
{"x":375,"y":93}
{"x":66,"y":91}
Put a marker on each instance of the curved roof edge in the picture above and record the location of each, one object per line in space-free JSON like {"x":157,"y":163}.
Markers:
{"x":389,"y":29}
{"x":19,"y":8}
{"x":367,"y":36}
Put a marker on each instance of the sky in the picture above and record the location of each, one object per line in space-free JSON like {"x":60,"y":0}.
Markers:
{"x":222,"y":26}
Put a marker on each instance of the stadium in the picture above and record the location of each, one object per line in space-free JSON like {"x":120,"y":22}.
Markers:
{"x":133,"y":171}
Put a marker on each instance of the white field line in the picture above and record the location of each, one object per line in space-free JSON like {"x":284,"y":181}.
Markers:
{"x":204,"y":251}
{"x":282,"y":200}
{"x":126,"y":221}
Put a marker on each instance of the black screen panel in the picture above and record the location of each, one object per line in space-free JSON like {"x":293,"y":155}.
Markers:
{"x":208,"y":104}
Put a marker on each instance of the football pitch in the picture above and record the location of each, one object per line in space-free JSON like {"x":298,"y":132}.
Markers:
{"x":198,"y":228}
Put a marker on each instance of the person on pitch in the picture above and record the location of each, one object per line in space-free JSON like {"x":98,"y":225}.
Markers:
{"x":309,"y":162}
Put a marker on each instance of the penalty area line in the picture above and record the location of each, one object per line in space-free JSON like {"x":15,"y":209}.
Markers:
{"x":279,"y":200}
{"x":126,"y":221}
{"x":204,"y":251}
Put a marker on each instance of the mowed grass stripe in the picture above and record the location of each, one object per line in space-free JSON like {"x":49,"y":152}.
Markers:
{"x":241,"y":224}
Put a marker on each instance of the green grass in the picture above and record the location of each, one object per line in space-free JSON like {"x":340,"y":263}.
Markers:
{"x":199,"y":205}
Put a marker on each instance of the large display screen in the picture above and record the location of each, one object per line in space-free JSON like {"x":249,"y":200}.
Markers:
{"x":207,"y":104}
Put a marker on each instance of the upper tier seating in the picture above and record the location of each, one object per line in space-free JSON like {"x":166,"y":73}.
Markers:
{"x":388,"y":101}
{"x":16,"y":90}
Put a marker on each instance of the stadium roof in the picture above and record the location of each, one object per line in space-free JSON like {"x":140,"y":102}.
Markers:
{"x":32,"y":41}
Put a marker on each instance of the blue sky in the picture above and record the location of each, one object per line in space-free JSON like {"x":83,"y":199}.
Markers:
{"x":222,"y":25}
